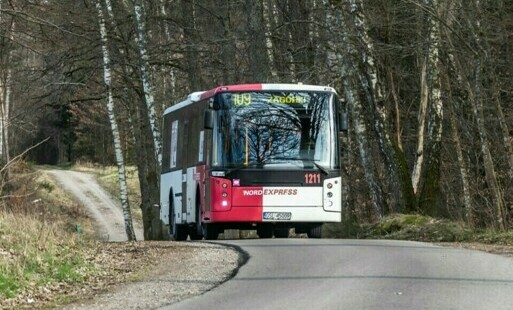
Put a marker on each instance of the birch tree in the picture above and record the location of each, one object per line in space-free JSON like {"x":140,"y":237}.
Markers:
{"x":107,"y":75}
{"x":470,"y":80}
{"x":145,"y":78}
{"x":427,"y":164}
{"x":6,"y":88}
{"x":478,"y":109}
{"x":344,"y":53}
{"x":394,"y":158}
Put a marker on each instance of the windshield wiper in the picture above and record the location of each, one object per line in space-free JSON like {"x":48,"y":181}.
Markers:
{"x":236,"y":168}
{"x":322,"y":168}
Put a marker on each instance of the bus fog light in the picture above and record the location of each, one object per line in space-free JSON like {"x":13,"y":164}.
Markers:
{"x":329,"y":185}
{"x":329,"y":194}
{"x":224,"y":194}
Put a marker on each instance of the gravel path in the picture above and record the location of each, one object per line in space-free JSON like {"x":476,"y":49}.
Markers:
{"x":106,"y":214}
{"x":195,"y":268}
{"x":184,"y":270}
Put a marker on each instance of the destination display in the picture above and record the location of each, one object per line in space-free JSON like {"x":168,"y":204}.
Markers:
{"x":246,"y":99}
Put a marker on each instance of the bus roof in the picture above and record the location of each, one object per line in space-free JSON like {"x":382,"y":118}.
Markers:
{"x":201,"y":95}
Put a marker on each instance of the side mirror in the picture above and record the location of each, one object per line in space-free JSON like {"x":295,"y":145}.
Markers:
{"x":208,"y":121}
{"x":214,"y":104}
{"x":342,"y":122}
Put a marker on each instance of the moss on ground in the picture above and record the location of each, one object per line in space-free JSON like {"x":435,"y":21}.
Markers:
{"x":418,"y":228}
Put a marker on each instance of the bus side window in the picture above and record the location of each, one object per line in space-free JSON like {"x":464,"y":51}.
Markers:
{"x":208,"y":120}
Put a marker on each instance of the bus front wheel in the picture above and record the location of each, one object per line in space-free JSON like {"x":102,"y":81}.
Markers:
{"x":314,"y":231}
{"x":210,"y":231}
{"x":265,"y":231}
{"x":281,"y":232}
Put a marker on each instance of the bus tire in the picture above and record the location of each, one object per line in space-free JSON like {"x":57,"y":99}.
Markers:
{"x":265,"y":231}
{"x":178,"y":231}
{"x":281,"y":232}
{"x":210,"y":231}
{"x":314,"y":231}
{"x":193,"y":233}
{"x":196,"y":231}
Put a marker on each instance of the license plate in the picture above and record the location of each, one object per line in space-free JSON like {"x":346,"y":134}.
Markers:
{"x":277,"y":216}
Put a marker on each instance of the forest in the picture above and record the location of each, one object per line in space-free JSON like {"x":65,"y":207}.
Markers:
{"x":427,"y":86}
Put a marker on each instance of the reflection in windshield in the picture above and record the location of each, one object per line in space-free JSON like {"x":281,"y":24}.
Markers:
{"x":274,"y":130}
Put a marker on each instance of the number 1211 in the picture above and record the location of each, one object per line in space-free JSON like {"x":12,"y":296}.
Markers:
{"x":312,"y":178}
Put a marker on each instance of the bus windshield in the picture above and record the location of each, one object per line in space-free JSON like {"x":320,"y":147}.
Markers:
{"x":275,"y":130}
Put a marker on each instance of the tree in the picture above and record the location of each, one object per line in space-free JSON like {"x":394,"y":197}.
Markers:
{"x":114,"y":126}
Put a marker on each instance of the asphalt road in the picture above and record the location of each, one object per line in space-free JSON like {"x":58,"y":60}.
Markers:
{"x":360,"y":274}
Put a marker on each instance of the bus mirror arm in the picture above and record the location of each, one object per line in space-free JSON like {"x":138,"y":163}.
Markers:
{"x":208,"y":121}
{"x":342,"y":122}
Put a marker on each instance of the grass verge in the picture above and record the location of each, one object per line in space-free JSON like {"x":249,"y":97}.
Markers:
{"x":47,"y":254}
{"x":419,"y":228}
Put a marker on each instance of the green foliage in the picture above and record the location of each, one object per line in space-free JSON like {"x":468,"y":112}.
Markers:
{"x":405,"y":227}
{"x":348,"y":228}
{"x":38,"y":253}
{"x":417,"y":227}
{"x":44,"y":184}
{"x":9,"y":284}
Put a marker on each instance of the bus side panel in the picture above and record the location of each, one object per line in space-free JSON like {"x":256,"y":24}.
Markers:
{"x":195,"y":179}
{"x":170,"y":181}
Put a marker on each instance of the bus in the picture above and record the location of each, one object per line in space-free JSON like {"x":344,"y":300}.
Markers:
{"x":252,"y":156}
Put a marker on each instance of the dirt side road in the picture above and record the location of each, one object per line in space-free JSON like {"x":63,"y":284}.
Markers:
{"x":106,"y":214}
{"x":178,"y":270}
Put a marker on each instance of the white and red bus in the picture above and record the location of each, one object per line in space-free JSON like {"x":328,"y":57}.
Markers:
{"x":252,"y":156}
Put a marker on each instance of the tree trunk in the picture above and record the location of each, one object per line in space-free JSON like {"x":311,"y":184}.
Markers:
{"x":192,"y":67}
{"x":490,"y":174}
{"x":145,"y":78}
{"x":257,"y":52}
{"x":377,"y":199}
{"x":6,"y":104}
{"x":394,"y":159}
{"x":474,"y":96}
{"x":349,"y":74}
{"x":462,"y":164}
{"x":267,"y":21}
{"x":228,"y":48}
{"x":114,"y":126}
{"x":429,"y":198}
{"x":424,"y":98}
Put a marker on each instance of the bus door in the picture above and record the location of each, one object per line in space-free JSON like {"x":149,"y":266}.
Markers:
{"x":185,"y":161}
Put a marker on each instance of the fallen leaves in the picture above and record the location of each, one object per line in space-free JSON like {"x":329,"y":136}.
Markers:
{"x":111,"y":264}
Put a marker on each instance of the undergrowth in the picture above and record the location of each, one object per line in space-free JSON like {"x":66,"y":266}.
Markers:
{"x":40,"y":248}
{"x":35,"y":253}
{"x":418,"y":228}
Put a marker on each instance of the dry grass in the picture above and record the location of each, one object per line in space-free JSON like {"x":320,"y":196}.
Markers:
{"x":47,"y":255}
{"x":36,"y":256}
{"x":39,"y":245}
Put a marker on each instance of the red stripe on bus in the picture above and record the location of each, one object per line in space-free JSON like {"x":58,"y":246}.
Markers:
{"x":230,"y":88}
{"x":240,"y":214}
{"x":247,"y":196}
